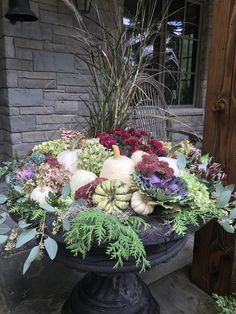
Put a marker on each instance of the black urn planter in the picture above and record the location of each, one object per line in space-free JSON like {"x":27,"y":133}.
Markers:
{"x":118,"y":291}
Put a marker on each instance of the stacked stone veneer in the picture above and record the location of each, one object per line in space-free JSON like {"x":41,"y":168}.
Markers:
{"x":42,"y":83}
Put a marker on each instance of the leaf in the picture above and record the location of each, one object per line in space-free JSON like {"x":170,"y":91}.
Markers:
{"x":3,"y":170}
{"x":66,"y":224}
{"x":52,"y":196}
{"x":48,"y":208}
{"x":232,"y":214}
{"x":227,"y":227}
{"x":25,"y":237}
{"x":223,"y":199}
{"x":34,"y":253}
{"x":230,"y":188}
{"x":22,"y":224}
{"x":4,"y":229}
{"x":3,"y":217}
{"x":21,"y":200}
{"x":65,"y":192}
{"x":3,"y":199}
{"x":3,"y":239}
{"x":51,"y":247}
{"x":219,"y":189}
{"x":18,"y":188}
{"x":181,"y":161}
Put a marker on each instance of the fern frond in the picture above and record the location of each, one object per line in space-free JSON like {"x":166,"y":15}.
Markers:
{"x":122,"y":238}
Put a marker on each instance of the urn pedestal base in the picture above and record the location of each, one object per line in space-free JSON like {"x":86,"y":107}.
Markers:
{"x":114,"y":293}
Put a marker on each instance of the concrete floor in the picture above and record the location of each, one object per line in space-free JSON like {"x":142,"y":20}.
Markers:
{"x":46,"y":285}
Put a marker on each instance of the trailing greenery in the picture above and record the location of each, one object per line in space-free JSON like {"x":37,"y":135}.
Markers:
{"x":121,"y":237}
{"x":227,"y":305}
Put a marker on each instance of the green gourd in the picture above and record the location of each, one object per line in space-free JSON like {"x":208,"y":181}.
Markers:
{"x":113,"y":196}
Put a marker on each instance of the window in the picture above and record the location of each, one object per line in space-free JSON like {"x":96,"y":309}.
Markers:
{"x":176,"y":49}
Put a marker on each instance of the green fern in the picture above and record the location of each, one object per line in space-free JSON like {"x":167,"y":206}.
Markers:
{"x":121,"y":237}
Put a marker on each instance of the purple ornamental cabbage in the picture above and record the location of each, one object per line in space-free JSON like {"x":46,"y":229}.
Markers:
{"x":152,"y":184}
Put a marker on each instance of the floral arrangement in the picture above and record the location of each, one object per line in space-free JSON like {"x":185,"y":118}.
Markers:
{"x":102,"y":190}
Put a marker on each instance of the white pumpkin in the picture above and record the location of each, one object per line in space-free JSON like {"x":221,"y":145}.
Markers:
{"x":140,"y":204}
{"x":69,"y":159}
{"x":40,"y":194}
{"x":137,"y":156}
{"x":117,"y":167}
{"x":81,"y":177}
{"x":172,"y":164}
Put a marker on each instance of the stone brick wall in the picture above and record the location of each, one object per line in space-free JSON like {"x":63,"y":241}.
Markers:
{"x":42,"y":83}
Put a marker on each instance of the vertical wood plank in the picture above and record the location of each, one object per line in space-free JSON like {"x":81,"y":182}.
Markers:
{"x":214,"y":259}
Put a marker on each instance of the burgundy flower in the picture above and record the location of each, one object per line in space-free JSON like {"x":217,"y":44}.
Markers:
{"x":52,"y":161}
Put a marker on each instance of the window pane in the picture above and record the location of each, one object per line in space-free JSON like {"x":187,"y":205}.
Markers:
{"x":172,"y":88}
{"x":187,"y":89}
{"x":192,"y":20}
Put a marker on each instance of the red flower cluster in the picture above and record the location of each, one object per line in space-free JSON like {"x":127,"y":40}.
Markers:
{"x":52,"y":161}
{"x":151,"y":164}
{"x":132,"y":140}
{"x":86,"y":191}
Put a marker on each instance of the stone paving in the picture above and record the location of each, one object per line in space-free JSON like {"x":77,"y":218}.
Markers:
{"x":47,"y":284}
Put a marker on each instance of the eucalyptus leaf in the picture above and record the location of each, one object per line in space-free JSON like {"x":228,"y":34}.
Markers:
{"x":232,"y":214}
{"x":230,"y":188}
{"x":219,"y":189}
{"x":66,"y":224}
{"x":48,"y":208}
{"x":7,"y":179}
{"x":223,"y":199}
{"x":181,"y":161}
{"x":18,"y":188}
{"x":23,"y":224}
{"x":34,"y":253}
{"x":227,"y":227}
{"x":3,"y":217}
{"x":3,"y":239}
{"x":4,"y":229}
{"x":3,"y":199}
{"x":25,"y":237}
{"x":21,"y":200}
{"x":65,"y":191}
{"x":51,"y":247}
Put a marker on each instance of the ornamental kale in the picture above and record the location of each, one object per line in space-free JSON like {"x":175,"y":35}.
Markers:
{"x":161,"y":189}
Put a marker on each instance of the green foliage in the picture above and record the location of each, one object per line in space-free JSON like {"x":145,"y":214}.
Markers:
{"x":3,"y":170}
{"x":121,"y":237}
{"x":34,"y":253}
{"x":93,"y":155}
{"x":227,"y":305}
{"x":27,"y":209}
{"x":198,"y":204}
{"x":54,"y":147}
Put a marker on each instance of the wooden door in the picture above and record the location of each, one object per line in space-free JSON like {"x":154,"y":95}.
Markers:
{"x":214,"y":261}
